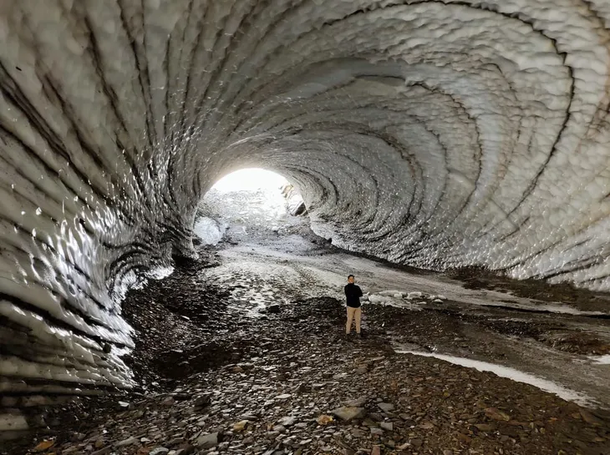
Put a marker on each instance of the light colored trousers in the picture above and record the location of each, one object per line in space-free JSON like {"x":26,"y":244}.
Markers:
{"x":353,"y":313}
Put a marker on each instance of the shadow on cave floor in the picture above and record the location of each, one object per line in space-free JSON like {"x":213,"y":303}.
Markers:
{"x":243,"y":352}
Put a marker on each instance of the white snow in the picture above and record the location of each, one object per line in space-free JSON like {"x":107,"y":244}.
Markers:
{"x":393,"y":299}
{"x":602,"y":360}
{"x":545,"y":307}
{"x":391,"y":293}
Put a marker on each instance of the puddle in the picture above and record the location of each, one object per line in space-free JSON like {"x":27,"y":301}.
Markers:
{"x":516,"y":375}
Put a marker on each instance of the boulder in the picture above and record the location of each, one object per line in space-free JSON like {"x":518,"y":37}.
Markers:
{"x":207,"y":441}
{"x":348,"y":413}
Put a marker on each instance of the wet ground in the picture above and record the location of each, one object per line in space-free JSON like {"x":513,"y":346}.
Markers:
{"x":243,"y":352}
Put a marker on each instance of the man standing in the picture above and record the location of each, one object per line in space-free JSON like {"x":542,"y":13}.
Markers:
{"x":353,"y":294}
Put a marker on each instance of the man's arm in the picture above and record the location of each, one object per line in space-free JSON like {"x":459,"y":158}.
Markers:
{"x":345,"y":289}
{"x":359,"y":292}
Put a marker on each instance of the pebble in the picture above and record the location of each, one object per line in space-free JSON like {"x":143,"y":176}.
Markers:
{"x":485,"y":427}
{"x":417,"y":442}
{"x":241,"y":425}
{"x":202,"y":401}
{"x":287,"y":421}
{"x":169,"y":401}
{"x":126,"y":442}
{"x":496,"y":414}
{"x":324,"y":419}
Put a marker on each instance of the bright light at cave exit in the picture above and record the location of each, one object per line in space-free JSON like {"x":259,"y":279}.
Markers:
{"x":250,"y":179}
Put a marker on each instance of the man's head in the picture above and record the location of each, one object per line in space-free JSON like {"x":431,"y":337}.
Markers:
{"x":350,"y":279}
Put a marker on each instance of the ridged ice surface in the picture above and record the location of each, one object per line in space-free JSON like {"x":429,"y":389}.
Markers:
{"x":430,"y":133}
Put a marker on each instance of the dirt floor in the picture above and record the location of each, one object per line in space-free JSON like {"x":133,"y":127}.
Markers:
{"x":244,"y":352}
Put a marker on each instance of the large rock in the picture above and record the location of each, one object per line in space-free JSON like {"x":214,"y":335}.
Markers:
{"x":496,"y":414}
{"x":386,"y":407}
{"x":358,"y":402}
{"x":13,"y":422}
{"x":348,"y":413}
{"x":207,"y":441}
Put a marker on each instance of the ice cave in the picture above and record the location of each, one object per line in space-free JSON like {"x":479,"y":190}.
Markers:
{"x":434,"y":134}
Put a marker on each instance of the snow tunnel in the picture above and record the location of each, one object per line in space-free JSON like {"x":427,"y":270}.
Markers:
{"x":428,"y":133}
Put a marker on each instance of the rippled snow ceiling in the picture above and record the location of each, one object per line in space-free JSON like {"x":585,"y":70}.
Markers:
{"x":430,"y":133}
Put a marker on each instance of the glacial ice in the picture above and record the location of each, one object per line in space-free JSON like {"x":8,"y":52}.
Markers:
{"x":434,"y":134}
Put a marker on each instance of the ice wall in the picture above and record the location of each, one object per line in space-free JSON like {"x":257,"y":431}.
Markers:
{"x":431,"y":133}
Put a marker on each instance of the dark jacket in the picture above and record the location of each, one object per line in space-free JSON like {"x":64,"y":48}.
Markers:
{"x":353,"y":294}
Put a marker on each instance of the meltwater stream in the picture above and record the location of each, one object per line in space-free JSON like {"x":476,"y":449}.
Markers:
{"x":435,"y":134}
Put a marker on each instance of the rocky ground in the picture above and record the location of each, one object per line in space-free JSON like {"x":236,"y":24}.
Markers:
{"x":217,"y":379}
{"x":243,"y":352}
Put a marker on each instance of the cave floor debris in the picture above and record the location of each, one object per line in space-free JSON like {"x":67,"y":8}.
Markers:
{"x":243,"y":352}
{"x":513,"y":324}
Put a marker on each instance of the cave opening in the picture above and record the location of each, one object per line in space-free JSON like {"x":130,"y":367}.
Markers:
{"x":245,"y":202}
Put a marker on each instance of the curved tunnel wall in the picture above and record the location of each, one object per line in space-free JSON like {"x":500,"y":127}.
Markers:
{"x":429,"y":133}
